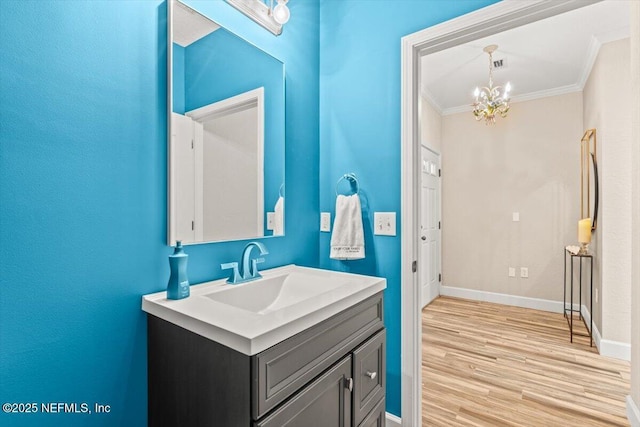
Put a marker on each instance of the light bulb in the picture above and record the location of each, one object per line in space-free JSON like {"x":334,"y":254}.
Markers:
{"x":476,"y":92}
{"x":281,"y":12}
{"x":507,"y":88}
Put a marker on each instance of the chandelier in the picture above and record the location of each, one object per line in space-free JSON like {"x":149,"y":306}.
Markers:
{"x":489,"y":101}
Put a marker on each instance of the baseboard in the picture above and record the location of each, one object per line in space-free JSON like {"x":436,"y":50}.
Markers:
{"x":608,"y":348}
{"x":393,"y":421}
{"x":615,"y":349}
{"x":597,"y":338}
{"x":517,"y":301}
{"x":633,"y":413}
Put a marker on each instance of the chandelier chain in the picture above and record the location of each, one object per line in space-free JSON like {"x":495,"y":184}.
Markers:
{"x":490,"y":70}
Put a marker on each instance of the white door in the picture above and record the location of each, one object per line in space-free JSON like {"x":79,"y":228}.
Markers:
{"x":429,"y":267}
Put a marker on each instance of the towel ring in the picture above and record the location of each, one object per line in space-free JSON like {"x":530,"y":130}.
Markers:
{"x":280,"y":190}
{"x":351,"y":177}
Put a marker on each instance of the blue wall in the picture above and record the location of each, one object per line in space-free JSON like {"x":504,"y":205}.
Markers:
{"x":83,"y":182}
{"x":360,"y":130}
{"x":83,"y":193}
{"x":178,"y":79}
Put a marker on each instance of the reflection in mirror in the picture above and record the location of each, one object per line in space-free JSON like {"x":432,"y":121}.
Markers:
{"x":226,"y":150}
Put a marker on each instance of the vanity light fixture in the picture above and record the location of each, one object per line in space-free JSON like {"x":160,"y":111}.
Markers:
{"x":489,"y":101}
{"x":264,"y":13}
{"x":281,"y":12}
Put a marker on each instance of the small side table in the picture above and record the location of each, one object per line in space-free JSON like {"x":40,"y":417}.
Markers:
{"x":568,"y":312}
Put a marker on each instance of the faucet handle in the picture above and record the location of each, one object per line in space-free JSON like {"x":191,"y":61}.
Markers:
{"x":254,"y":267}
{"x":235,"y":275}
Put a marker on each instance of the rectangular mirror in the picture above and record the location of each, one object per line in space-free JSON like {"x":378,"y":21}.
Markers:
{"x":226,"y":133}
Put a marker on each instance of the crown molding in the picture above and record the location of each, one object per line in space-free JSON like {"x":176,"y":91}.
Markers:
{"x":431,"y":100}
{"x":562,"y":90}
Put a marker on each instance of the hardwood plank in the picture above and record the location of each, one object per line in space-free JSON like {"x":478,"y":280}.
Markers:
{"x":493,"y":365}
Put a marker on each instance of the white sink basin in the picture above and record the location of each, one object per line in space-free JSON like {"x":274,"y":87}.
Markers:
{"x":253,"y":316}
{"x":274,"y":293}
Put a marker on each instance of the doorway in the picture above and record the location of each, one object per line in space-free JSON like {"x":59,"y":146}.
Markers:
{"x":490,"y":20}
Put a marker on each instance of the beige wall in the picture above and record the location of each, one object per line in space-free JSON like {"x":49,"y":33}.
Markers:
{"x":527,"y":163}
{"x":607,"y":108}
{"x":635,"y":137}
{"x":430,"y":126}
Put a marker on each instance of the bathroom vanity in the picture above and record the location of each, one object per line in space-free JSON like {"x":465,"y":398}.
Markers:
{"x":306,"y":348}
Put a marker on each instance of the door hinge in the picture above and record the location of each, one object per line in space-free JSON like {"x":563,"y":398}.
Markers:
{"x":439,"y":225}
{"x":414,"y":266}
{"x":193,"y":225}
{"x":439,"y":277}
{"x":439,"y":172}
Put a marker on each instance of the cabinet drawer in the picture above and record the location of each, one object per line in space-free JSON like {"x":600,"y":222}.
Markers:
{"x":326,"y":402}
{"x":376,"y":418}
{"x":369,"y":375}
{"x":281,"y":370}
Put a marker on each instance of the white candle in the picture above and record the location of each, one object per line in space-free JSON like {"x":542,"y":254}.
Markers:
{"x":584,"y":230}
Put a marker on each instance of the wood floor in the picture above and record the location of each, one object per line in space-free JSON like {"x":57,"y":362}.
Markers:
{"x":493,"y":365}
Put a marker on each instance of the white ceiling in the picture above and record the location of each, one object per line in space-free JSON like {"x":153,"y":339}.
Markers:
{"x":189,"y":25}
{"x":544,"y":58}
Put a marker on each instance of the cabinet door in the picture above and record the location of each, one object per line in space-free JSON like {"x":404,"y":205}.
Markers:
{"x":326,"y":402}
{"x":368,"y":376}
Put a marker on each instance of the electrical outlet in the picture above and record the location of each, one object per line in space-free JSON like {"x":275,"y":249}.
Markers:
{"x":524,"y":272}
{"x":512,"y":272}
{"x":325,"y":221}
{"x":384,"y":223}
{"x":271,"y":220}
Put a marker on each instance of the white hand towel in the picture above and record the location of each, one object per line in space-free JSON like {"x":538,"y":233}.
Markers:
{"x":278,"y":217}
{"x":347,"y":239}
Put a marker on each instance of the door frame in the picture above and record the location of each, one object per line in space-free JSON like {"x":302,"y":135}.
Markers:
{"x":492,"y":19}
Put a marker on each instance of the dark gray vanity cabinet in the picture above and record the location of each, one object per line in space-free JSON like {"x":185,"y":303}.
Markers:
{"x":331,"y":374}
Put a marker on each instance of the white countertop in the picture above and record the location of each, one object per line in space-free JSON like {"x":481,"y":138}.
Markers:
{"x":249,"y":332}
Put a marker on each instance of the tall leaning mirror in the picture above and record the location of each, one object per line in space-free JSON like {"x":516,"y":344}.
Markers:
{"x":226,"y":133}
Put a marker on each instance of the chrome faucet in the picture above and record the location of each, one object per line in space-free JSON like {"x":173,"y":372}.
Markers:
{"x":249,"y":270}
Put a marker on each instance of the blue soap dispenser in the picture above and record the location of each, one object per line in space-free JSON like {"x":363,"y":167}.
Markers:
{"x":178,"y":287}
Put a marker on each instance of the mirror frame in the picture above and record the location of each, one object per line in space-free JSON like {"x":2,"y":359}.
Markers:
{"x":588,"y":161}
{"x":171,"y":173}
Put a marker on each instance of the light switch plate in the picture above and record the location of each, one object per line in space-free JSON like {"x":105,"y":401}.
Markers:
{"x":384,"y":223}
{"x":516,"y":216}
{"x":512,"y":272}
{"x":524,"y":272}
{"x":270,"y":220}
{"x":325,"y":221}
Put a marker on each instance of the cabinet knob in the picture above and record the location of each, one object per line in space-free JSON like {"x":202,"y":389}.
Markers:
{"x":424,"y":237}
{"x":349,"y":384}
{"x":372,"y":375}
